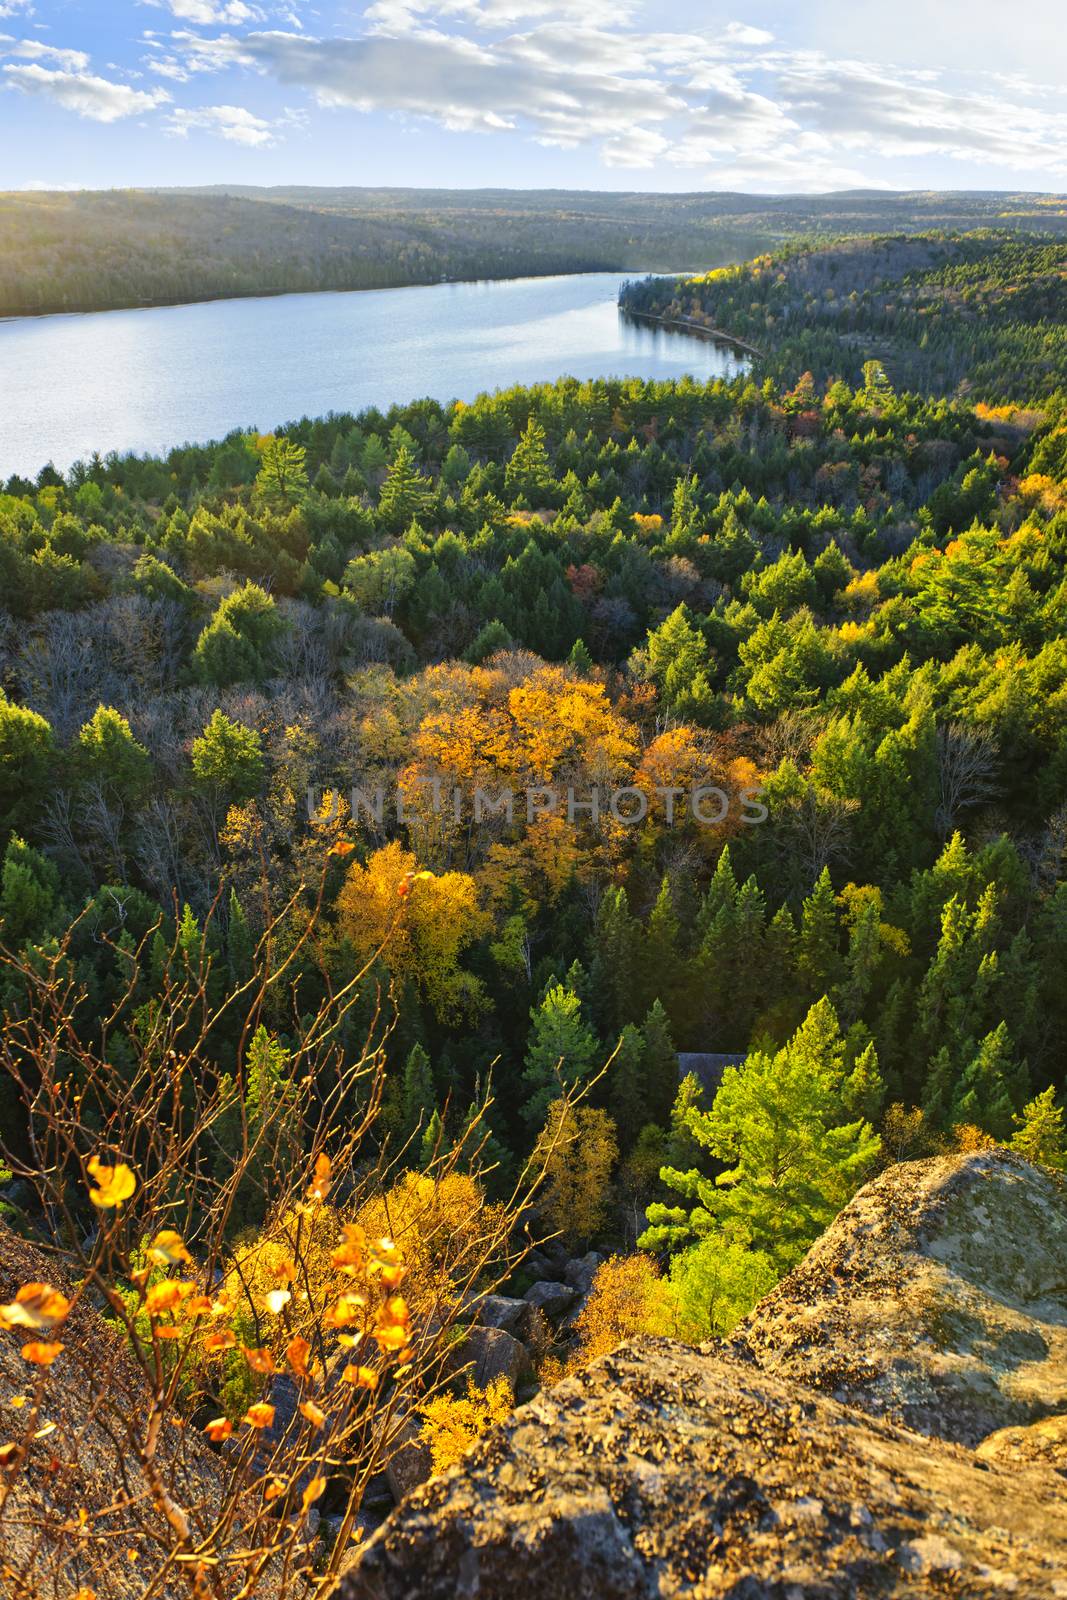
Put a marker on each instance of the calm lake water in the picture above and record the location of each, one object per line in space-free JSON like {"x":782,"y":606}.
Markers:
{"x":150,"y":379}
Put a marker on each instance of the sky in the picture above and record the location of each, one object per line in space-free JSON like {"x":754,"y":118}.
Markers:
{"x":773,"y":96}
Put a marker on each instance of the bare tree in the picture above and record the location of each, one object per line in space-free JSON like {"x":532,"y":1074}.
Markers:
{"x":966,"y":767}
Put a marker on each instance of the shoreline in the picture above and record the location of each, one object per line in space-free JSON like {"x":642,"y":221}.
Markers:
{"x":164,"y":304}
{"x":716,"y":334}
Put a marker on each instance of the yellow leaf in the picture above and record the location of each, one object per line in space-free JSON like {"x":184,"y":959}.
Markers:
{"x":313,"y":1492}
{"x":168,"y":1249}
{"x":114,"y":1185}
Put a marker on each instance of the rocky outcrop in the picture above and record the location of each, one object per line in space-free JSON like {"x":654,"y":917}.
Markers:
{"x":938,"y":1297}
{"x":826,"y":1451}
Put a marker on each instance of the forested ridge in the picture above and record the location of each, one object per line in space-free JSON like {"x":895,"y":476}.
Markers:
{"x":318,"y":1070}
{"x":982,"y":314}
{"x":85,"y":251}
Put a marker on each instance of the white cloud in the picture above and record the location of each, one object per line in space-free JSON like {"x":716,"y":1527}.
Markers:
{"x":229,"y":122}
{"x":11,"y":8}
{"x":99,"y":99}
{"x":214,"y":13}
{"x":33,"y":50}
{"x":459,"y":83}
{"x":727,"y":105}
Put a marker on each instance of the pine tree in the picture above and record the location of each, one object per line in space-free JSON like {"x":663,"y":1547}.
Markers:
{"x":418,"y":1098}
{"x":818,"y":954}
{"x":1040,"y":1135}
{"x":560,"y":1052}
{"x":239,"y":942}
{"x":990,"y":1085}
{"x":659,"y":969}
{"x":528,"y":474}
{"x":613,"y":965}
{"x":405,"y":494}
{"x":793,"y":1150}
{"x":660,"y":1064}
{"x":431,"y":1139}
{"x":626,"y":1086}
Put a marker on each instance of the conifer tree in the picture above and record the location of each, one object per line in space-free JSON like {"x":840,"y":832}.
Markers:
{"x":793,"y":1150}
{"x":1040,"y":1135}
{"x":627,"y":1101}
{"x":660,"y":1064}
{"x":418,"y":1099}
{"x":560,"y":1052}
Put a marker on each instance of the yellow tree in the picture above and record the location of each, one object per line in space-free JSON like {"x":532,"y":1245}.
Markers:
{"x":428,"y":919}
{"x":581,"y":1152}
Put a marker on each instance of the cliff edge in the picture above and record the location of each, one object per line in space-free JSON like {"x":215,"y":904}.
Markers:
{"x":888,"y":1421}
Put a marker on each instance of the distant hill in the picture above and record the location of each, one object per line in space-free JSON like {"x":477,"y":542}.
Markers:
{"x":983,"y":313}
{"x":88,"y":250}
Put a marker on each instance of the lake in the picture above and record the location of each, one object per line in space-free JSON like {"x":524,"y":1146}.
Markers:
{"x":147,"y":380}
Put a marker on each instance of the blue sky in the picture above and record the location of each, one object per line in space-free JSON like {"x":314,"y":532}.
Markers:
{"x":772,"y":97}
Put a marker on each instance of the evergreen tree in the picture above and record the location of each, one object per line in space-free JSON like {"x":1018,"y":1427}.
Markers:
{"x":560,"y":1052}
{"x":793,"y":1153}
{"x":660,"y":1064}
{"x":418,"y":1097}
{"x":626,"y":1087}
{"x":1040,"y":1135}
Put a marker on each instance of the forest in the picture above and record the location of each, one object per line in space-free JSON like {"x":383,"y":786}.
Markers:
{"x":982,"y":314}
{"x":306,"y":1037}
{"x":86,"y":251}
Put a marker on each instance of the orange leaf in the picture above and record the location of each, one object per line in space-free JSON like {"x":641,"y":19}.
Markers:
{"x":343,"y":847}
{"x":313,"y":1492}
{"x":216,"y":1343}
{"x":362,"y":1377}
{"x":297,"y":1352}
{"x":320,"y":1185}
{"x":218,"y":1429}
{"x":260,"y":1415}
{"x":41,"y":1355}
{"x":260,"y":1361}
{"x":37,"y":1306}
{"x":313,"y":1413}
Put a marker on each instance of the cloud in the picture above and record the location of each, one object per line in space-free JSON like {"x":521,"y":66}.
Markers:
{"x":864,"y":107}
{"x":214,"y":13}
{"x":727,"y":105}
{"x":229,"y":122}
{"x":494,"y":15}
{"x":11,"y":8}
{"x":454,"y":81}
{"x":33,"y":50}
{"x":99,"y":99}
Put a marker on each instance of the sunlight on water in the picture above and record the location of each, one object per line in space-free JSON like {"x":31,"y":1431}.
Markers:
{"x":148,"y":380}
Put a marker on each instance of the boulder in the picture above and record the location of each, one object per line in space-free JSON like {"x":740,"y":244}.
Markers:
{"x":490,"y":1353}
{"x":937,"y":1297}
{"x":826,"y":1450}
{"x":1042,"y":1444}
{"x":500,"y":1311}
{"x":553,"y":1299}
{"x":410,"y":1463}
{"x":581,"y":1272}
